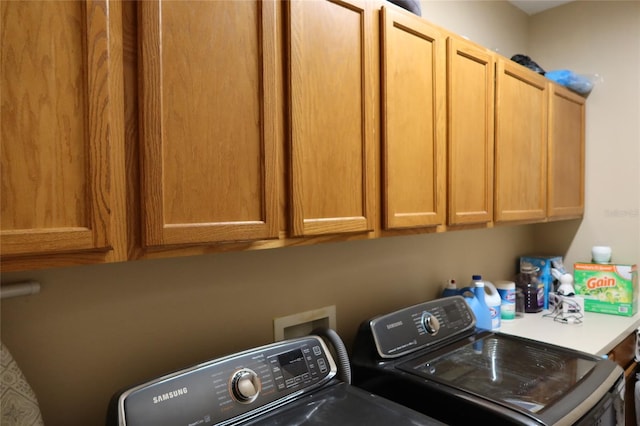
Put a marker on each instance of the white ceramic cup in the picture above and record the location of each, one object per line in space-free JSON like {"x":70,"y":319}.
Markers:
{"x":601,"y":254}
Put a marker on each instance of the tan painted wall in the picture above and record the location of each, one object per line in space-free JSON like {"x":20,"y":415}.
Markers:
{"x":94,"y":329}
{"x":490,"y":23}
{"x":600,"y":37}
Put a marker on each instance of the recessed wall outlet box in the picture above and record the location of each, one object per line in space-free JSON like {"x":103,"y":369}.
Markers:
{"x":303,"y":323}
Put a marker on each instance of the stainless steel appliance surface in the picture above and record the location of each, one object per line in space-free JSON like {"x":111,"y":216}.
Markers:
{"x":295,"y":382}
{"x":432,"y":358}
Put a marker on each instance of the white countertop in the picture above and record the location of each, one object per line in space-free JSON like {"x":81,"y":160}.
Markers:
{"x":597,"y":334}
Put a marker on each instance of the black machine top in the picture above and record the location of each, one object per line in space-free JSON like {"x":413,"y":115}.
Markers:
{"x":435,"y":347}
{"x":425,"y":325}
{"x":229,"y":389}
{"x":343,"y":404}
{"x":290,"y":382}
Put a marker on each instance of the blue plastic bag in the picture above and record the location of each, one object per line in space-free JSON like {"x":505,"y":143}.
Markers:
{"x":578,"y":83}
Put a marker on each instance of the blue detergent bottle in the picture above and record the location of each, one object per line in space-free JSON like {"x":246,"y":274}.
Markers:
{"x":450,"y":289}
{"x":480,"y":308}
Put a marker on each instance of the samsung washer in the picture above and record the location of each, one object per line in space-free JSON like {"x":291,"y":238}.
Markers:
{"x":295,"y":382}
{"x":431,"y":357}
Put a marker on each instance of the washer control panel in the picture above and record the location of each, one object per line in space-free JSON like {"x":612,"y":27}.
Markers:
{"x":230,"y":388}
{"x":419,"y":326}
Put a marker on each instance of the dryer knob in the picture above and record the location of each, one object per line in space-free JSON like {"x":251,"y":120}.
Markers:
{"x":245,"y":385}
{"x":430,"y":323}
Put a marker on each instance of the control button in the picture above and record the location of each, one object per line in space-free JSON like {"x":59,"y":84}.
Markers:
{"x":322,"y":365}
{"x":245,"y":385}
{"x":430,"y":323}
{"x":317,"y":351}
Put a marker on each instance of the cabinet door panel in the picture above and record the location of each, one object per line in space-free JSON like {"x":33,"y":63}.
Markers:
{"x":471,"y":114}
{"x":521,"y":143}
{"x":413,"y":93}
{"x":331,"y":107}
{"x":566,"y":153}
{"x":56,"y":163}
{"x":208,"y":121}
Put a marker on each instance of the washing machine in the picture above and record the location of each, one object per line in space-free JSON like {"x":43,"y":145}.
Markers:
{"x":294,"y":382}
{"x":432,"y":358}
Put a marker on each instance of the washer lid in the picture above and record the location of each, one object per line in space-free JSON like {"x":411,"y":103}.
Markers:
{"x":344,"y":404}
{"x":521,"y":374}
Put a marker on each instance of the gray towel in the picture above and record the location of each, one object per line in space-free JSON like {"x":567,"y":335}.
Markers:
{"x":18,"y":402}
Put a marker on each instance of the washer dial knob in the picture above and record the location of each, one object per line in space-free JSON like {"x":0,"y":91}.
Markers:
{"x":245,"y":385}
{"x":430,"y":323}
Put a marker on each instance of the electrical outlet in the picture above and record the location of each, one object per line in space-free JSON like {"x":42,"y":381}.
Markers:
{"x":301,"y":324}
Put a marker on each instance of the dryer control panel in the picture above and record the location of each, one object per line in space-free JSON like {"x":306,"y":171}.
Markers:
{"x":426,"y":324}
{"x":231,"y":388}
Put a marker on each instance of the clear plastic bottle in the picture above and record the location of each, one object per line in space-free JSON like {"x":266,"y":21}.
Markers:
{"x":481,"y":311}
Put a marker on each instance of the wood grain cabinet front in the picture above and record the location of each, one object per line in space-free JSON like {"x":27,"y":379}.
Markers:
{"x":207,"y":75}
{"x":331,"y":117}
{"x":520,"y":192}
{"x":470,"y":77}
{"x":413,"y":122}
{"x":565,"y":193}
{"x":624,"y":355}
{"x":61,"y":139}
{"x":164,"y":128}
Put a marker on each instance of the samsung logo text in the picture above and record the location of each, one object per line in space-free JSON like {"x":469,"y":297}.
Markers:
{"x":394,"y":325}
{"x":170,"y":395}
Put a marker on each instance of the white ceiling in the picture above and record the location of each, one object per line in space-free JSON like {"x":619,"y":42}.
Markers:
{"x":531,"y":7}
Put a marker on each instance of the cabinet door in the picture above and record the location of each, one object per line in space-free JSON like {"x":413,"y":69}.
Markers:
{"x":470,"y":76}
{"x":57,"y":128}
{"x":624,"y":355}
{"x":521,"y":143}
{"x":207,"y":104}
{"x":566,"y":153}
{"x":413,"y":122}
{"x":331,"y":116}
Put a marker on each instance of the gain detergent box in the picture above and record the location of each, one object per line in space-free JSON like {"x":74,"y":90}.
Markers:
{"x":607,"y":288}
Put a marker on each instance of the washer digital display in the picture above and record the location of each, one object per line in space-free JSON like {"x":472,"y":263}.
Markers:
{"x":293,"y":364}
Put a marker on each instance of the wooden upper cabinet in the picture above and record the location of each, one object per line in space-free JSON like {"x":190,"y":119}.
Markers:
{"x":57,"y":127}
{"x":520,"y":144}
{"x":207,"y":126}
{"x":566,"y":153}
{"x":332,"y":129}
{"x":413,"y":122}
{"x":470,"y":77}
